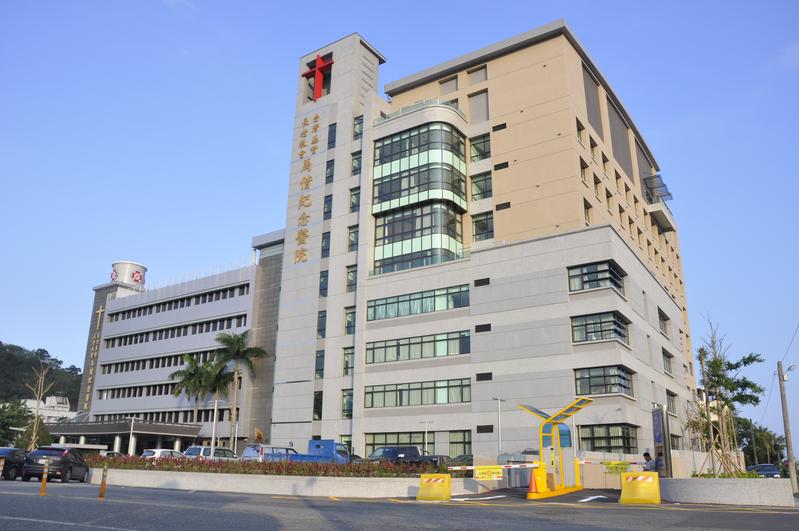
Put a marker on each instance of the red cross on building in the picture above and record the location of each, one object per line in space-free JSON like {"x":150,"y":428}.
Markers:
{"x":317,"y":72}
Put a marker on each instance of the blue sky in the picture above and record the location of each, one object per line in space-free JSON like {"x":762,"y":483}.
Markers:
{"x":159,"y":131}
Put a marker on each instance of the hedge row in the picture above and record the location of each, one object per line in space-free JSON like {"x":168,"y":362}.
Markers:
{"x":365,"y":470}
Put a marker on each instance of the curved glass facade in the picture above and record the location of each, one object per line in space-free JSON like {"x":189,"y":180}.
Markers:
{"x":419,"y":197}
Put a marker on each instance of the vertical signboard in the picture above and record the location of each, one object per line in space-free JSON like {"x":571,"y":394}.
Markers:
{"x":662,"y":441}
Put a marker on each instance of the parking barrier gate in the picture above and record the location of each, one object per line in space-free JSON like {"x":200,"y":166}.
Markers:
{"x":434,"y":487}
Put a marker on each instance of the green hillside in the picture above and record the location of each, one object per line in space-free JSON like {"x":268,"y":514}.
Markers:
{"x":16,"y":369}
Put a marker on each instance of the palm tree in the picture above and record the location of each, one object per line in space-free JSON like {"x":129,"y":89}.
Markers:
{"x":234,"y":348}
{"x":217,"y":380}
{"x":191,"y":381}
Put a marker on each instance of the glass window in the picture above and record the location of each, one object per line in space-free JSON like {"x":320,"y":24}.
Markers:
{"x":327,"y":212}
{"x":352,"y":278}
{"x":667,"y":357}
{"x":357,"y":127}
{"x":478,"y":107}
{"x":412,"y":348}
{"x":595,"y":327}
{"x":349,"y":360}
{"x":418,"y":303}
{"x":416,"y":438}
{"x":323,"y":283}
{"x":419,"y":220}
{"x":604,"y":380}
{"x":320,"y":364}
{"x":352,"y":238}
{"x":671,"y":402}
{"x":325,"y":244}
{"x":346,"y":403}
{"x":460,"y":443}
{"x":476,"y":76}
{"x":420,"y":393}
{"x":481,"y":186}
{"x":331,"y":136}
{"x":330,"y":169}
{"x":356,"y":163}
{"x":483,"y":225}
{"x":419,"y":179}
{"x":418,"y":140}
{"x":317,"y":405}
{"x":596,"y":275}
{"x":480,"y":147}
{"x":321,"y":324}
{"x":663,"y":322}
{"x":355,"y":199}
{"x":349,"y":320}
{"x":449,"y":85}
{"x":612,"y":438}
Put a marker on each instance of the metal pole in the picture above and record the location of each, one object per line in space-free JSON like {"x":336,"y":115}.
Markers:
{"x":754,"y":441}
{"x":787,"y":422}
{"x":499,"y":423}
{"x":213,"y":430}
{"x":425,"y":422}
{"x":707,"y":414}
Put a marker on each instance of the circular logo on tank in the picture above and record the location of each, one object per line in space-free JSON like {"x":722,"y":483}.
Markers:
{"x":137,"y":276}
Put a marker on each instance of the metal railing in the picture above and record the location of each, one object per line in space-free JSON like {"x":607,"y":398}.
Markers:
{"x":419,"y":105}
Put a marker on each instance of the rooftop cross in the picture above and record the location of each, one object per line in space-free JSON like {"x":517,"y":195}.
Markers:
{"x":318,"y":72}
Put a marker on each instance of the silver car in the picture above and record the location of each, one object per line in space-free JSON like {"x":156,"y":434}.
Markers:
{"x":204,"y":452}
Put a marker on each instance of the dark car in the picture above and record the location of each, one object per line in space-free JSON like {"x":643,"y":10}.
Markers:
{"x":14,"y":462}
{"x":405,"y":455}
{"x":765,"y":470}
{"x":65,"y":464}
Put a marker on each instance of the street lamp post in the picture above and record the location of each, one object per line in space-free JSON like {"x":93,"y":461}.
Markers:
{"x":787,"y":423}
{"x":131,"y":444}
{"x":499,"y":422}
{"x":425,"y":422}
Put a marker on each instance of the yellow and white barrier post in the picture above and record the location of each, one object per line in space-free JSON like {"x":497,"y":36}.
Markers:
{"x":101,"y":497}
{"x":45,"y":472}
{"x":434,"y":487}
{"x":640,"y":487}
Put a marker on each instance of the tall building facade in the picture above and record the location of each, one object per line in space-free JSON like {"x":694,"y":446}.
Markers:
{"x":497,"y":230}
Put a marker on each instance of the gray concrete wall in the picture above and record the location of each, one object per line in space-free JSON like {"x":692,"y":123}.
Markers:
{"x":761,"y":491}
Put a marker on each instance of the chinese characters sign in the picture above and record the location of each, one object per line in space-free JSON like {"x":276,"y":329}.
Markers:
{"x":306,"y":150}
{"x":94,"y":350}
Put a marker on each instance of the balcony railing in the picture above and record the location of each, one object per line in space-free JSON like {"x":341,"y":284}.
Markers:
{"x":419,"y":105}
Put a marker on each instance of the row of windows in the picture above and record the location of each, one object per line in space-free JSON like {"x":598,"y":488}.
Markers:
{"x":173,"y":416}
{"x":460,"y":441}
{"x":418,"y":220}
{"x":414,"y":348}
{"x":351,"y":280}
{"x":604,"y":380}
{"x":599,"y":326}
{"x":417,"y":140}
{"x":432,"y":176}
{"x":418,"y":394}
{"x":183,"y":302}
{"x":418,"y":303}
{"x":174,"y":360}
{"x":613,"y":438}
{"x":357,"y":131}
{"x":598,"y":275}
{"x":177,"y":331}
{"x":136,"y":391}
{"x":414,"y":259}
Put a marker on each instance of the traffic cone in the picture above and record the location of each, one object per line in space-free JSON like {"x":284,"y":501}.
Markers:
{"x":533,"y":488}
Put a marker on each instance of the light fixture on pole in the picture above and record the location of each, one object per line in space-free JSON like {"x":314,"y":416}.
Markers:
{"x":131,"y":444}
{"x":425,"y":422}
{"x":781,"y":376}
{"x":499,"y":422}
{"x":213,"y":430}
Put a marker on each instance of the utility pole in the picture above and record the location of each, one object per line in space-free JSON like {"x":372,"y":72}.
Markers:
{"x":754,"y":441}
{"x":499,"y":422}
{"x":787,"y":422}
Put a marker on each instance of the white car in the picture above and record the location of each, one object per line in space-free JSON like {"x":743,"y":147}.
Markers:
{"x":158,"y":453}
{"x":204,"y":452}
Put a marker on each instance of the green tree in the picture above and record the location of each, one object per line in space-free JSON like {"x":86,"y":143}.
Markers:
{"x":43,"y":437}
{"x":12,"y":415}
{"x":218,"y":380}
{"x":192,"y":380}
{"x":233,"y":348}
{"x":770,"y":446}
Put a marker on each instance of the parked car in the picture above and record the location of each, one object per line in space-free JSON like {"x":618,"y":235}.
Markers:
{"x":204,"y":452}
{"x":111,"y":454}
{"x":14,"y":462}
{"x":65,"y":464}
{"x":256,"y":452}
{"x":158,"y":453}
{"x":319,"y":451}
{"x":461,"y":460}
{"x":765,"y":470}
{"x":354,"y":458}
{"x":405,"y":454}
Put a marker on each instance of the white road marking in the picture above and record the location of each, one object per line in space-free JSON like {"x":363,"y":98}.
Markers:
{"x":63,"y":523}
{"x":479,"y":499}
{"x":592,"y":498}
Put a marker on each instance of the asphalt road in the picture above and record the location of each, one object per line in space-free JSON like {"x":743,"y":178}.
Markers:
{"x":75,"y":506}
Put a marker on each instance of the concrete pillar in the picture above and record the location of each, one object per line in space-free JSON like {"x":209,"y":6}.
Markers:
{"x":117,"y":443}
{"x":62,"y":440}
{"x":177,"y":444}
{"x":159,"y":441}
{"x":82,"y":439}
{"x":132,"y":445}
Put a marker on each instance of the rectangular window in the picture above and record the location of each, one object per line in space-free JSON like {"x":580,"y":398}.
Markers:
{"x":478,"y":107}
{"x":477,"y":75}
{"x":327,"y":211}
{"x":323,"y":283}
{"x":349,"y":320}
{"x":587,"y":212}
{"x":604,"y":380}
{"x":356,"y":163}
{"x":349,"y":360}
{"x":592,"y":101}
{"x":460,"y":443}
{"x":481,"y":186}
{"x":676,"y":442}
{"x":330,"y":169}
{"x":418,"y":394}
{"x":319,"y":371}
{"x":620,"y":140}
{"x":418,"y":303}
{"x":597,"y":275}
{"x":671,"y":402}
{"x":419,"y":347}
{"x":667,"y":359}
{"x":480,"y":147}
{"x":580,"y":132}
{"x":355,"y":199}
{"x":321,"y":324}
{"x":449,"y":85}
{"x":325,"y":244}
{"x":663,"y":322}
{"x":612,"y":438}
{"x":352,"y":278}
{"x":584,"y":171}
{"x":414,"y":438}
{"x":483,"y":225}
{"x":346,"y":403}
{"x":599,"y":326}
{"x":352,"y":238}
{"x":357,"y":127}
{"x":331,"y":136}
{"x":434,"y":136}
{"x":317,"y":405}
